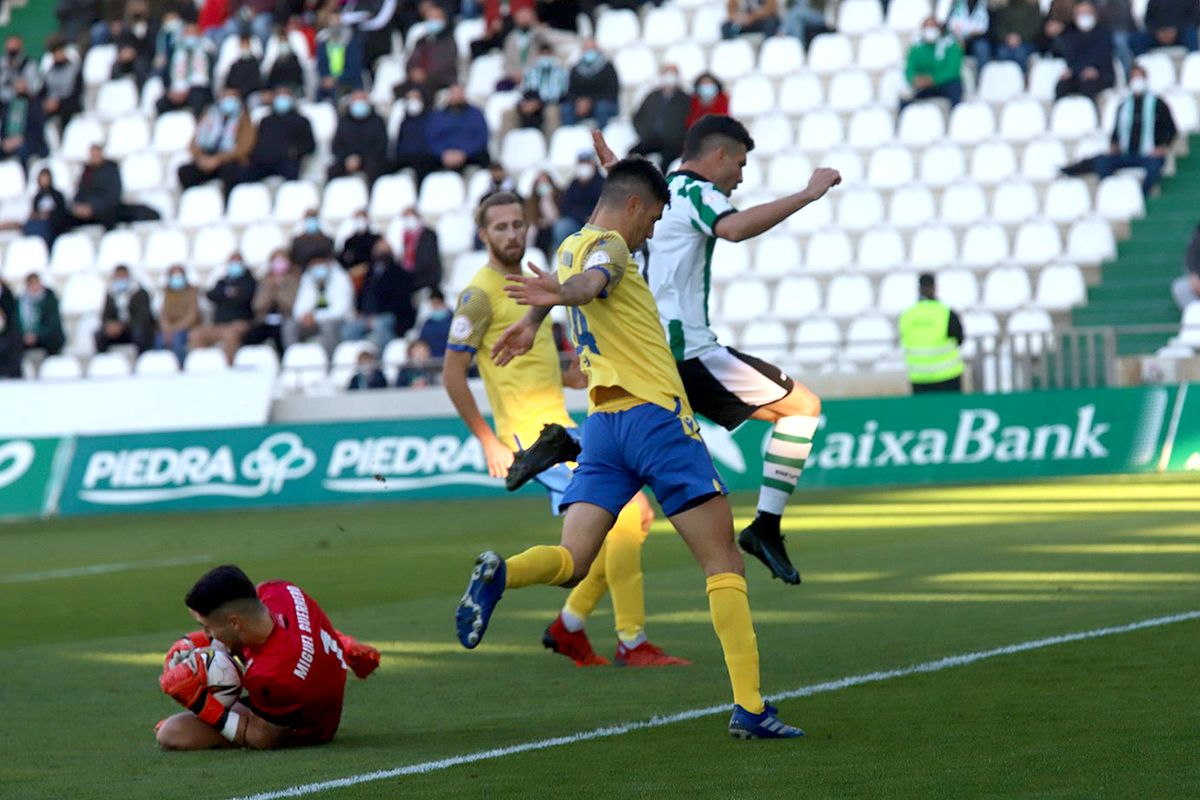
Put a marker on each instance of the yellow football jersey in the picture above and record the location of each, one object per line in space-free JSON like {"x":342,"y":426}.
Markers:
{"x":527,"y":393}
{"x":618,"y":336}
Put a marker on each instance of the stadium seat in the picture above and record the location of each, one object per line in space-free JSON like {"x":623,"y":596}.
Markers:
{"x":1042,"y":159}
{"x":963,"y":203}
{"x":800,"y":94}
{"x":1189,"y":326}
{"x":456,"y":232}
{"x":744,"y":301}
{"x":1189,"y":73}
{"x":206,"y":360}
{"x":979,"y":325}
{"x":82,"y":294}
{"x":957,"y":288}
{"x":165,"y":247}
{"x":920,"y":125}
{"x":1091,"y":241}
{"x":260,"y":240}
{"x":1119,"y":198}
{"x":98,"y":64}
{"x":388,"y":72}
{"x":116,"y":99}
{"x":664,"y":26}
{"x":860,"y":208}
{"x":751,"y":97}
{"x":1014,"y":202}
{"x":485,"y":72}
{"x":811,"y":218}
{"x":688,"y":57}
{"x":293,"y":200}
{"x":830,"y":53}
{"x":108,"y":365}
{"x":933,"y":246}
{"x":441,"y":192}
{"x":60,"y":368}
{"x":567,"y":143}
{"x":972,"y":122}
{"x":1092,"y":145}
{"x":856,"y":17}
{"x":12,"y":179}
{"x":323,"y":118}
{"x":1060,"y":287}
{"x":732,"y":59}
{"x":880,"y":50}
{"x":942,"y":164}
{"x":141,"y":172}
{"x":1022,"y":120}
{"x":1044,"y":75}
{"x":119,"y":246}
{"x":849,"y":296}
{"x":891,"y":166}
{"x":1006,"y":288}
{"x":897,"y":292}
{"x":817,"y":341}
{"x":636,"y":66}
{"x":828,"y":250}
{"x":344,"y":197}
{"x":706,"y":25}
{"x":819,"y":131}
{"x":752,"y":176}
{"x":780,"y":56}
{"x":870,"y":127}
{"x":796,"y":298}
{"x":305,"y":366}
{"x":1031,"y":329}
{"x":261,"y":357}
{"x":200,"y":206}
{"x":212,"y":246}
{"x":846,"y":161}
{"x":156,"y":362}
{"x":72,"y":253}
{"x":767,"y":337}
{"x":1037,"y":242}
{"x":1184,"y":109}
{"x":880,"y":249}
{"x":772,"y":134}
{"x":1160,"y":70}
{"x":911,"y":206}
{"x":906,"y":16}
{"x":850,"y":89}
{"x":173,"y":132}
{"x":985,"y":244}
{"x":868,"y":339}
{"x":1066,"y":200}
{"x":1000,"y":82}
{"x":126,"y":136}
{"x":479,"y":184}
{"x":893,"y":88}
{"x":248,"y":202}
{"x":1073,"y":117}
{"x":81,"y":133}
{"x":776,"y":255}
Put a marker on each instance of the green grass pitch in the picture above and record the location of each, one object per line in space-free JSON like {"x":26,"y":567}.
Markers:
{"x":891,"y":578}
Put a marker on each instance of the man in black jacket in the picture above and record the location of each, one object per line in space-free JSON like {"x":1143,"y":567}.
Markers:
{"x":98,"y":198}
{"x":12,"y":347}
{"x":127,"y":317}
{"x":593,"y":88}
{"x":383,"y":308}
{"x":233,"y":310}
{"x":285,"y":136}
{"x":62,"y":85}
{"x":1169,"y":23}
{"x":1087,"y":47}
{"x":661,"y":120}
{"x":361,"y":141}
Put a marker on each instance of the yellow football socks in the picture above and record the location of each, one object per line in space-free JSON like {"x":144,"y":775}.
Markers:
{"x":730,"y":609}
{"x":582,"y":600}
{"x":624,"y":557}
{"x":549,"y":564}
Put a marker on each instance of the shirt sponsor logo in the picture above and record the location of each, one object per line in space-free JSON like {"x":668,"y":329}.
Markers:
{"x":460,"y":328}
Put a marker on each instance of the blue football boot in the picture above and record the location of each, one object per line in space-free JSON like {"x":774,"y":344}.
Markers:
{"x":483,"y":592}
{"x":767,"y":725}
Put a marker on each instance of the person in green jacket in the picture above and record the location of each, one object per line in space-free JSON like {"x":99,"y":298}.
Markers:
{"x":934,"y":66}
{"x":40,"y":320}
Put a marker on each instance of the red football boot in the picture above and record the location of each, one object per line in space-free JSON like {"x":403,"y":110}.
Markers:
{"x":574,"y":646}
{"x":646,"y":655}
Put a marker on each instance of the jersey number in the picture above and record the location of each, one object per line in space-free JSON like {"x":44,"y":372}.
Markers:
{"x":584,"y":340}
{"x":331,"y":646}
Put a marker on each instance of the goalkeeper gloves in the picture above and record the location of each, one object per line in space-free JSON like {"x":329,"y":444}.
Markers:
{"x":362,"y":658}
{"x":182,"y":648}
{"x":187,"y":684}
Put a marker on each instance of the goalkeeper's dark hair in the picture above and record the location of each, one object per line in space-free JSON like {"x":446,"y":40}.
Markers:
{"x":634,"y":176}
{"x":219,"y":586}
{"x":712,"y":131}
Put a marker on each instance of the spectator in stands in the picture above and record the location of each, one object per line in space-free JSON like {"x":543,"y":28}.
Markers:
{"x":40,"y":320}
{"x":543,"y":88}
{"x":98,"y":198}
{"x":12,"y":346}
{"x":356,"y":251}
{"x":232,"y":310}
{"x":577,"y":202}
{"x":374,"y":20}
{"x":524,"y":41}
{"x":435,"y":331}
{"x":563,"y":15}
{"x":273,"y":303}
{"x":245,"y":73}
{"x":188,"y":78}
{"x":413,"y":149}
{"x":436,"y":53}
{"x":541,"y":212}
{"x":497,"y":24}
{"x":62,"y":85}
{"x":1116,"y":15}
{"x":421,"y":256}
{"x":74,"y":18}
{"x":170,"y":34}
{"x":22,"y":126}
{"x":1142,"y":136}
{"x":339,"y":60}
{"x":360,"y":144}
{"x":127,"y":318}
{"x":324,"y":301}
{"x":285,"y":137}
{"x":367,"y":375}
{"x":1015,"y":30}
{"x":968,"y":20}
{"x":750,"y":16}
{"x":501,"y":180}
{"x":414,"y":78}
{"x":256,"y":17}
{"x":383,"y":308}
{"x":285,"y":66}
{"x":224,"y":139}
{"x":417,"y":371}
{"x":135,"y":37}
{"x":1186,"y":288}
{"x":180,"y":313}
{"x":1088,"y":49}
{"x":661,"y":120}
{"x":1169,"y":23}
{"x":312,"y":241}
{"x":458,"y":133}
{"x":593,"y":88}
{"x":48,"y":212}
{"x":934,"y":67}
{"x":16,"y":64}
{"x":931,"y":335}
{"x":804,"y":19}
{"x":708,"y":98}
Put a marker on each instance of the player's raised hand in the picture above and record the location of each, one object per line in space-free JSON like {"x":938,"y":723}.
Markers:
{"x":184,"y":646}
{"x":540,"y":289}
{"x":604,"y":153}
{"x":823,"y":179}
{"x":517,"y":340}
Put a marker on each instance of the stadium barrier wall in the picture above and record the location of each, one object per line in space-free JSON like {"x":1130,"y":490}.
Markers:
{"x":923,"y":440}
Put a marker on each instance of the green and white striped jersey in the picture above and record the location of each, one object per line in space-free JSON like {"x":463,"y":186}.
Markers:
{"x":679,"y":267}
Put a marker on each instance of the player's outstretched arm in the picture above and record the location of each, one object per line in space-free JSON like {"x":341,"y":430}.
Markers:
{"x":542,"y":289}
{"x":455,"y":366}
{"x":604,"y":153}
{"x":750,"y":222}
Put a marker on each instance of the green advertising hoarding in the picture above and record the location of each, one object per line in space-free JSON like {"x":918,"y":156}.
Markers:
{"x":27,"y":475}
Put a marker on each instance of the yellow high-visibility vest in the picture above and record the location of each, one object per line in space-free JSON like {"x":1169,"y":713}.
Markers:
{"x":931,"y":354}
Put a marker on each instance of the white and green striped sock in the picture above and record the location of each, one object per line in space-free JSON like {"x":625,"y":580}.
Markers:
{"x":791,"y":442}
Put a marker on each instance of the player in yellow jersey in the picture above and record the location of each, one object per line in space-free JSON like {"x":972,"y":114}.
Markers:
{"x":639,"y":432}
{"x":524,"y":395}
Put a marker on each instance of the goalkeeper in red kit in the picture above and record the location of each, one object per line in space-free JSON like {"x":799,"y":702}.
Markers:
{"x":295,"y":667}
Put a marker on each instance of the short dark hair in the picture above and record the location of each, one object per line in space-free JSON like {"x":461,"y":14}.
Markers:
{"x":218,"y":586}
{"x":712,"y":131}
{"x":436,"y":294}
{"x":634,"y":176}
{"x":492,"y":201}
{"x":925,"y":282}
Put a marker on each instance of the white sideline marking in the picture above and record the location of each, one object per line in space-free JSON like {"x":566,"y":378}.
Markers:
{"x":101,"y":569}
{"x":657,"y":722}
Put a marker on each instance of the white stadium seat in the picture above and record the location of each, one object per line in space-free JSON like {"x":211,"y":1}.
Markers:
{"x":567,"y":143}
{"x":905,"y":16}
{"x":957,"y":288}
{"x":1022,"y":120}
{"x":156,"y":362}
{"x":942,"y":164}
{"x":1189,"y":326}
{"x":972,"y":122}
{"x":849,"y":296}
{"x":828,"y":251}
{"x":81,"y":133}
{"x":616,"y":29}
{"x":1044,"y":76}
{"x":72,"y":253}
{"x":1037,"y":242}
{"x":260,"y":240}
{"x":200,"y":206}
{"x":880,"y":250}
{"x":772,"y":134}
{"x":891,"y":166}
{"x":1014,"y":202}
{"x":126,"y":136}
{"x":261,"y":357}
{"x":846,"y":161}
{"x":456,"y":232}
{"x":441,"y":192}
{"x":1060,"y":287}
{"x":768,"y":337}
{"x":1189,"y":74}
{"x":688,"y":57}
{"x":485,"y":72}
{"x":811,"y":218}
{"x":1091,"y":241}
{"x":706,"y":25}
{"x":116,"y":99}
{"x":1067,"y":199}
{"x":1160,"y":70}
{"x":343,"y":197}
{"x":12,"y":179}
{"x":897,"y":292}
{"x":1073,"y":117}
{"x":796,"y":298}
{"x":60,"y":368}
{"x":1043,"y":158}
{"x":732,"y":59}
{"x":817,"y":341}
{"x":305,"y":366}
{"x":744,"y":301}
{"x":165,"y":247}
{"x":780,"y":56}
{"x":731,"y":260}
{"x":1000,"y":82}
{"x":1184,"y":109}
{"x":108,"y":365}
{"x":963,"y":203}
{"x":82,"y":294}
{"x":880,"y":50}
{"x":801,"y":93}
{"x":819,"y":131}
{"x":323,"y":118}
{"x":750,"y":97}
{"x":870,"y":127}
{"x":173,"y":131}
{"x":777,"y":255}
{"x":860,"y":208}
{"x":141,"y":172}
{"x":665,"y":25}
{"x":911,"y":206}
{"x":636,"y":66}
{"x":119,"y":246}
{"x":850,"y":89}
{"x":985,"y":244}
{"x":933,"y":246}
{"x":920,"y":125}
{"x":206,"y":360}
{"x":869,"y":339}
{"x":1119,"y":198}
{"x":248,"y":202}
{"x":859,"y":16}
{"x":293,"y":200}
{"x":830,"y":53}
{"x":1006,"y":288}
{"x":98,"y":64}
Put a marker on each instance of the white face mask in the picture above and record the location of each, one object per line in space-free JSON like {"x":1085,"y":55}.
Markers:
{"x":1137,"y":85}
{"x":930,"y":35}
{"x":414,"y":107}
{"x":670,"y":81}
{"x":1085,"y":22}
{"x":585,"y":172}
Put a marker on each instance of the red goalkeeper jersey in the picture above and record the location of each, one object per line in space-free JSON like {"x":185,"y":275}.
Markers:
{"x":297,"y":677}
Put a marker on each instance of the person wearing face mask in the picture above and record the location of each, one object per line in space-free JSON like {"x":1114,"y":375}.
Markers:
{"x":285,"y":137}
{"x":15,"y":64}
{"x":413,"y":150}
{"x":273,"y":303}
{"x":1142,"y":136}
{"x":543,"y":88}
{"x":22,"y":125}
{"x":47,"y":212}
{"x":232,"y":302}
{"x":541,"y":212}
{"x":127,"y":317}
{"x":1015,"y":29}
{"x":324,"y":301}
{"x":98,"y":199}
{"x":245,"y":73}
{"x":435,"y":330}
{"x":221,"y":148}
{"x":340,"y":61}
{"x":180,"y":313}
{"x":524,"y":41}
{"x":592,"y":89}
{"x":356,"y":251}
{"x":256,"y":17}
{"x":367,"y":374}
{"x":1087,"y":47}
{"x":360,"y":143}
{"x":62,"y":85}
{"x":188,"y":73}
{"x":41,"y":322}
{"x":1169,"y":23}
{"x":577,"y":202}
{"x":934,"y":67}
{"x":1115,"y":15}
{"x":421,"y":256}
{"x":661,"y":120}
{"x":311,"y":242}
{"x":285,"y":65}
{"x":708,"y":98}
{"x":750,"y":16}
{"x":435,"y":52}
{"x":458,"y":133}
{"x":383,"y":308}
{"x":135,"y":38}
